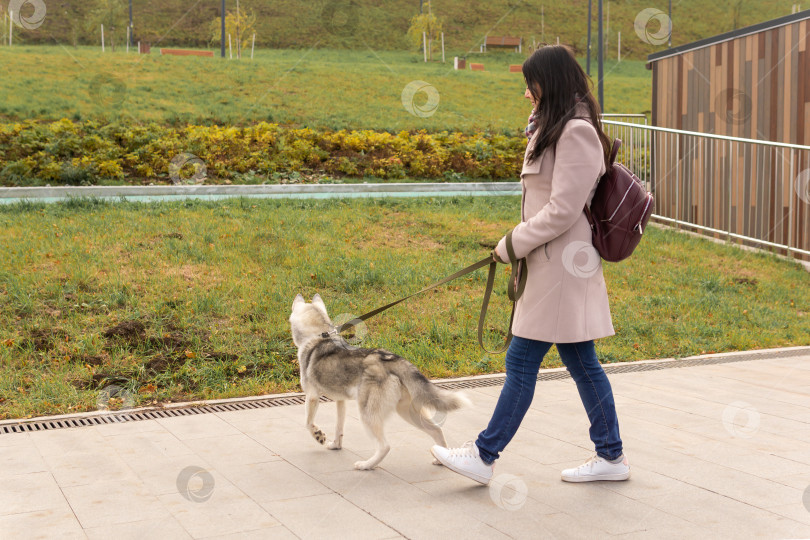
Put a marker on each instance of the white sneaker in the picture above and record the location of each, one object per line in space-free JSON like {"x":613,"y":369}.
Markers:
{"x":464,"y":461}
{"x":598,"y":468}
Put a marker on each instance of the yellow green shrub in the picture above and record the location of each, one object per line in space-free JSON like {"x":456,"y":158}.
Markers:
{"x":87,"y":152}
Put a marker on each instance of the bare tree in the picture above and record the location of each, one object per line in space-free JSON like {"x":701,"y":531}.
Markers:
{"x":110,"y":13}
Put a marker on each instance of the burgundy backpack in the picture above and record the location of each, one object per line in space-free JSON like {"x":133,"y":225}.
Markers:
{"x":619,"y":212}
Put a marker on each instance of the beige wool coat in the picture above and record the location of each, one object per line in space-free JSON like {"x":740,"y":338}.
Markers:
{"x":565,"y":299}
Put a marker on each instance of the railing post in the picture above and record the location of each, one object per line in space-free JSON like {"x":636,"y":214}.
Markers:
{"x":790,"y":204}
{"x":677,"y":177}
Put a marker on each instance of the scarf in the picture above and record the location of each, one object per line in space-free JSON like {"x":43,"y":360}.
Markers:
{"x":534,"y":117}
{"x":532,"y":127}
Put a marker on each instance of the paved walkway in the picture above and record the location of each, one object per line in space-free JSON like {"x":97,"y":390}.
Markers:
{"x":717,"y":451}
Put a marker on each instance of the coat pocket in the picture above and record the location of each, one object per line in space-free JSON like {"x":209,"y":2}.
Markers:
{"x":540,"y":255}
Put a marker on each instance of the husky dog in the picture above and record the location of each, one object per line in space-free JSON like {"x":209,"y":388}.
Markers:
{"x":379,"y":380}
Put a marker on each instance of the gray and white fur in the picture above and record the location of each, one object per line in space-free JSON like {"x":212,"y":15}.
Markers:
{"x":381,"y":382}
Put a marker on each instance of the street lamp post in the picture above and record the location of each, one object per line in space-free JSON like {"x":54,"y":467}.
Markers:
{"x":130,"y":24}
{"x":222,"y":34}
{"x":601,"y":83}
{"x":670,"y":24}
{"x":588,"y":45}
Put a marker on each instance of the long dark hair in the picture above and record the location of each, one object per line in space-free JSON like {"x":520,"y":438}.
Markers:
{"x":563,"y":83}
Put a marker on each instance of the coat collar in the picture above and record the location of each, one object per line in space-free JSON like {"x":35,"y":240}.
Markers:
{"x":580,"y":111}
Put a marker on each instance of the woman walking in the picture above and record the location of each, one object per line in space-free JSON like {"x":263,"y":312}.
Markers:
{"x":565,"y":301}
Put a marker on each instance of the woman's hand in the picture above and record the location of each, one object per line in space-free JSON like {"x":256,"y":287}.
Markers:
{"x":497,"y":256}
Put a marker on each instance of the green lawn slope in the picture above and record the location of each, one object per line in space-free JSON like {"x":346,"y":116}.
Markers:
{"x":364,"y":24}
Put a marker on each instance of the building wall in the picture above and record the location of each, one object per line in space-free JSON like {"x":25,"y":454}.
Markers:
{"x":754,"y":87}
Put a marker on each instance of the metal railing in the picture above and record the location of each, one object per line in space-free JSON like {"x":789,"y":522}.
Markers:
{"x":629,"y":118}
{"x":753,"y":191}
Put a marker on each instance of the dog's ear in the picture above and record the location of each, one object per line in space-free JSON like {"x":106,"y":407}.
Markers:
{"x":298,"y":299}
{"x":319,"y":301}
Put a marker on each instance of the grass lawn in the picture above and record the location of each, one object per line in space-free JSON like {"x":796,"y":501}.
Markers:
{"x":178,"y":301}
{"x":318,"y":88}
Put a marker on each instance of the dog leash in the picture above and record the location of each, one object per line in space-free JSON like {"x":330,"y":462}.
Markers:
{"x":517,"y":283}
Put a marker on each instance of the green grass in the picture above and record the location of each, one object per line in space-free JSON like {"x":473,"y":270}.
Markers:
{"x":179,"y":301}
{"x":383,"y":25}
{"x":317,"y":89}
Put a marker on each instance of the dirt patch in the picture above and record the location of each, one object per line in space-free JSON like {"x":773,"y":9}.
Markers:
{"x":89,"y":360}
{"x":198,"y":273}
{"x":745,"y":281}
{"x":172,"y":341}
{"x":129,"y":331}
{"x":221,"y":356}
{"x":98,"y":380}
{"x":45,"y":339}
{"x":394,"y":238}
{"x":165,"y":362}
{"x":488,"y":244}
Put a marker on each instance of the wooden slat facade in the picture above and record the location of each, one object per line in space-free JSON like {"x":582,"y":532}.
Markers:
{"x":757,"y":86}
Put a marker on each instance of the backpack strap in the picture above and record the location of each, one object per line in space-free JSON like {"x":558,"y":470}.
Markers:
{"x":617,"y":143}
{"x":614,"y":152}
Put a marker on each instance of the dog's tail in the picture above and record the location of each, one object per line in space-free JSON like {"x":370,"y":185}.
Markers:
{"x":425,"y":394}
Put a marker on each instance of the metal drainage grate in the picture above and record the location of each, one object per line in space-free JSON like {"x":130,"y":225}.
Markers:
{"x":118,"y":417}
{"x":153,"y":414}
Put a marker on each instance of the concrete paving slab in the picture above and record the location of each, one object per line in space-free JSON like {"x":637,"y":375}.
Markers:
{"x":275,"y":481}
{"x":43,"y":524}
{"x":278,"y":532}
{"x":223,"y":509}
{"x":128,"y":428}
{"x":220,"y":452}
{"x":504,"y":507}
{"x":113,"y":501}
{"x":718,"y":514}
{"x":199,"y":426}
{"x":160,"y":475}
{"x":21,"y":458}
{"x":716,"y":451}
{"x":29,"y":492}
{"x":167,"y":528}
{"x":328,"y":516}
{"x":148,"y":444}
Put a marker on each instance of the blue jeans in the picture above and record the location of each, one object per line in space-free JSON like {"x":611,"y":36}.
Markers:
{"x":523,"y":361}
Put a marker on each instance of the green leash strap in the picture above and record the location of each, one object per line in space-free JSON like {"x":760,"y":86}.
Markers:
{"x":465,"y":271}
{"x":517,"y":282}
{"x":514,"y":289}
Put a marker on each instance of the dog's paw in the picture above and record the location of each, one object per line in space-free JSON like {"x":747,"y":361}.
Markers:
{"x":319,"y":435}
{"x":334,"y":445}
{"x":363,"y":466}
